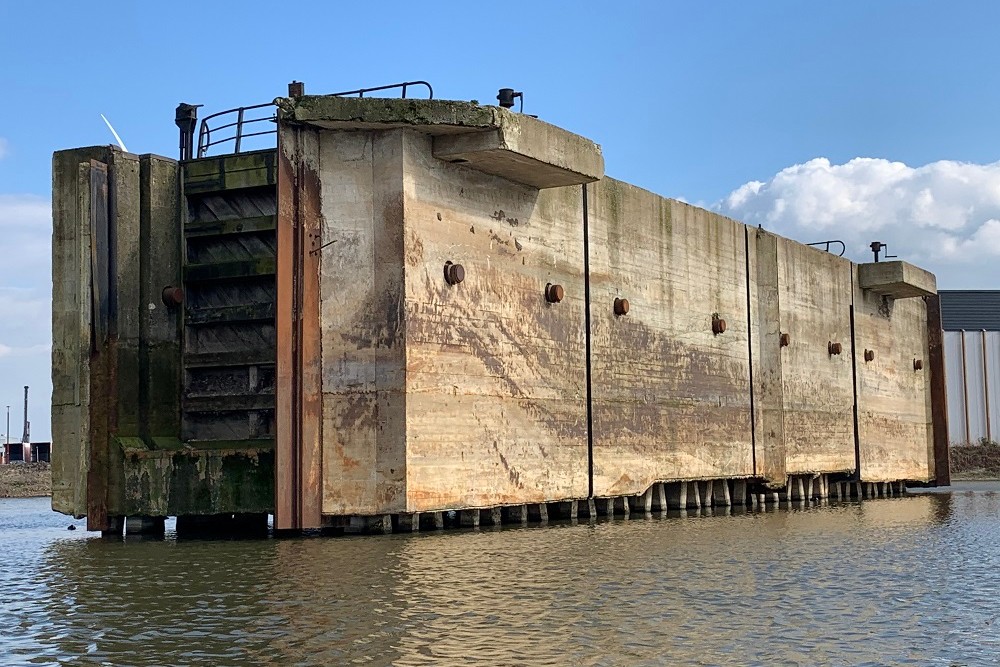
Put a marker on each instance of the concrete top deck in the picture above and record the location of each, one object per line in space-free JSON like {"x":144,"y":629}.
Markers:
{"x":491,"y":139}
{"x":899,"y":280}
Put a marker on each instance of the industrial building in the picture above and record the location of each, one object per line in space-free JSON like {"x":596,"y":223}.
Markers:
{"x":971,"y":323}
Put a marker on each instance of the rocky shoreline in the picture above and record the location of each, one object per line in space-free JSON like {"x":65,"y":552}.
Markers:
{"x":25,"y":480}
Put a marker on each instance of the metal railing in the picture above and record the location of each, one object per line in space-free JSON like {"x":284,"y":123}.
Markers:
{"x":205,"y":140}
{"x":241,"y":117}
{"x":826,"y":246}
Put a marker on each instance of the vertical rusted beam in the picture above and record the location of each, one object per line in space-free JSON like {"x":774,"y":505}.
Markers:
{"x":100,"y":356}
{"x":298,"y":467}
{"x":286,"y":460}
{"x":309,"y":353}
{"x":939,"y":392}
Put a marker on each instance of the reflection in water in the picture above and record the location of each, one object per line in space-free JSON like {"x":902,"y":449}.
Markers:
{"x":910,"y":580}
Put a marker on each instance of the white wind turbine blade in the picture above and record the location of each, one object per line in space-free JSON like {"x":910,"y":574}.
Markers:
{"x":117,"y":138}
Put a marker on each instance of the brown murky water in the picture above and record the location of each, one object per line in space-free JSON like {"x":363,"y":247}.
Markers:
{"x":913,"y":580}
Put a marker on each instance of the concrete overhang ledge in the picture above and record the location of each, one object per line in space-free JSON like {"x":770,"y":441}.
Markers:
{"x":898,"y":280}
{"x":487,"y":138}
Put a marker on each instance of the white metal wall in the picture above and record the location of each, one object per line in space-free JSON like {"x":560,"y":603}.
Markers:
{"x":972,"y":369}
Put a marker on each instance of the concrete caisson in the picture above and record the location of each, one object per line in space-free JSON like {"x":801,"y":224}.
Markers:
{"x":421,"y":313}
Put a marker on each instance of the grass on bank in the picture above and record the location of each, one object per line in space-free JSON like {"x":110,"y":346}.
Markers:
{"x":980,"y":460}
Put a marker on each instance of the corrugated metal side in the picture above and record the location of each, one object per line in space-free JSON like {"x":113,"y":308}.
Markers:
{"x":972,"y":360}
{"x":974,"y":378}
{"x":970,"y":310}
{"x":956,"y":383}
{"x":993,"y":382}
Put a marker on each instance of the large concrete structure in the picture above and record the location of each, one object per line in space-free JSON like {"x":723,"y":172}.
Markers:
{"x":415,"y":306}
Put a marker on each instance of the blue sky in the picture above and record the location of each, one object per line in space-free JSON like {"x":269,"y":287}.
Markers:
{"x":852,"y":120}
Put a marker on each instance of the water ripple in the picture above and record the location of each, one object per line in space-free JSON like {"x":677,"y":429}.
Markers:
{"x":908,"y":581}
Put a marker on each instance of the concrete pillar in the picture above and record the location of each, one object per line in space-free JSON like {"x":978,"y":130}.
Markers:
{"x":660,"y":498}
{"x":114,"y":527}
{"x":538,"y":512}
{"x":563,"y":509}
{"x":677,"y":493}
{"x":799,"y":489}
{"x":706,"y":488}
{"x":591,"y":508}
{"x":469,"y":518}
{"x":694,"y":495}
{"x":431,"y":520}
{"x":409,"y":522}
{"x":144,"y":525}
{"x":775,"y":498}
{"x":516,"y":514}
{"x":644,"y":503}
{"x":720,"y":494}
{"x":739,"y":496}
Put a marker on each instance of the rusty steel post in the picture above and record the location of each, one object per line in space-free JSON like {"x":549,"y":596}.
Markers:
{"x":939,"y":391}
{"x":298,"y":483}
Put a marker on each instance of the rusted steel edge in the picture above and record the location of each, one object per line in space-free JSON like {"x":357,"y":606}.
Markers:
{"x":285,"y":459}
{"x":102,"y":354}
{"x":939,"y":391}
{"x":310,"y":354}
{"x":298,"y":472}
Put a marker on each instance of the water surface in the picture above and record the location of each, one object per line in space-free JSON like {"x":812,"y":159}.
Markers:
{"x":910,"y":580}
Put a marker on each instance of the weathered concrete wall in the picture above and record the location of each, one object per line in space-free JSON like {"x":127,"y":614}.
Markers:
{"x":817,"y":385}
{"x":361,"y":320}
{"x":894,"y":415}
{"x":95,"y":326}
{"x":495,"y":374}
{"x":399,"y":388}
{"x":671,"y":398}
{"x":71,"y":325}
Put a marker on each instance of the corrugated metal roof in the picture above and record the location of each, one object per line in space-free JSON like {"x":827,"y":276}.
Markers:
{"x":970,"y":310}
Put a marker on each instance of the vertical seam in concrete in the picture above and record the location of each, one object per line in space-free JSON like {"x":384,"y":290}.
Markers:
{"x":587,"y":345}
{"x":145,"y":297}
{"x":854,"y":383}
{"x":753,"y":419}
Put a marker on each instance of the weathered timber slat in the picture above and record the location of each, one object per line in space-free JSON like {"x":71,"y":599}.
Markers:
{"x":254,"y":312}
{"x":229,"y":270}
{"x":261,"y":223}
{"x":230,"y":172}
{"x":228,"y":403}
{"x":248,"y":357}
{"x":263,"y":444}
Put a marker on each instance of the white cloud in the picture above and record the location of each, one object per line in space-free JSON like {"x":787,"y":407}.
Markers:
{"x":944,"y":216}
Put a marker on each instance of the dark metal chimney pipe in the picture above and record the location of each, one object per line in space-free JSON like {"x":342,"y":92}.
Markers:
{"x":26,"y":438}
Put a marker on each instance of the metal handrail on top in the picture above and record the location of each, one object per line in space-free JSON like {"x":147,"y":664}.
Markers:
{"x":205,"y":131}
